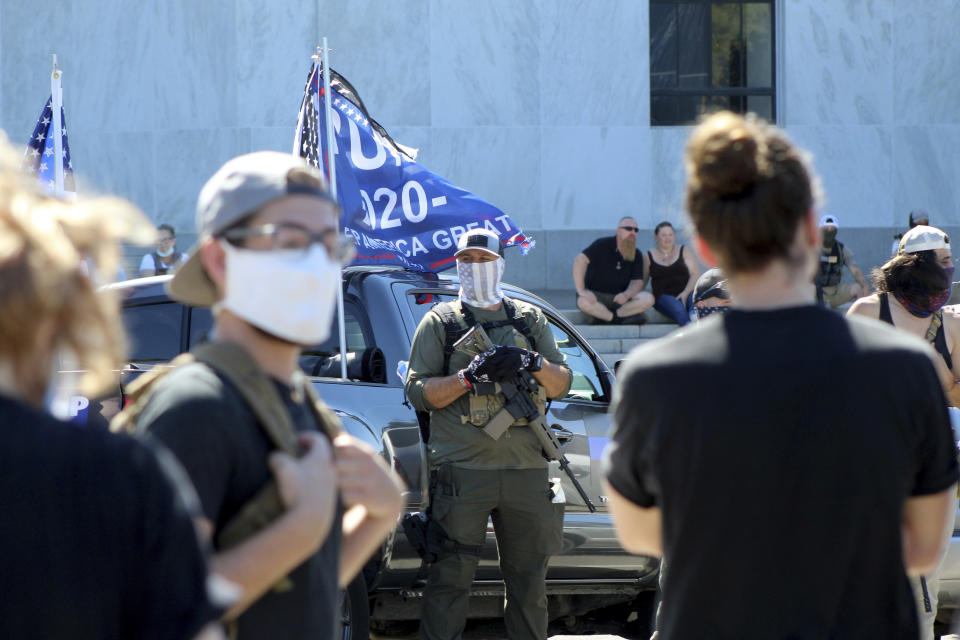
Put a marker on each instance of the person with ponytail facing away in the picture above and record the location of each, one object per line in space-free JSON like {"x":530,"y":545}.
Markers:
{"x":781,"y":487}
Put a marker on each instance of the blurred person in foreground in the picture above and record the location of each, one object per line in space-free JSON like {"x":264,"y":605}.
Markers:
{"x":96,"y":535}
{"x":787,"y":514}
{"x":913,"y":287}
{"x":268,"y":262}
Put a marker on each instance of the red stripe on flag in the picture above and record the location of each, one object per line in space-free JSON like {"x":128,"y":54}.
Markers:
{"x":443,"y":262}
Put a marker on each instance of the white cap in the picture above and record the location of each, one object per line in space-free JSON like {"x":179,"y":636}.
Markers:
{"x":829,"y":221}
{"x":482,"y":239}
{"x":923,"y":238}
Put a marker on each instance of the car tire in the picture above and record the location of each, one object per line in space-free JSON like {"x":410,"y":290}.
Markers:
{"x":355,"y":610}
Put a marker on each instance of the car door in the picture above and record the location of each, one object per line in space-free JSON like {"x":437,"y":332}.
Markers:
{"x":580,"y":419}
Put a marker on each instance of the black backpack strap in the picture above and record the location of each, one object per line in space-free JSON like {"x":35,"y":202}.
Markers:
{"x":519,"y":322}
{"x":452,"y":328}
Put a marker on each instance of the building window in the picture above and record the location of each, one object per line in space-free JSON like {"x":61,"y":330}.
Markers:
{"x":706,"y":56}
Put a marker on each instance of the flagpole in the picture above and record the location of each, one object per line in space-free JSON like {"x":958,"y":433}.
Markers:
{"x":332,"y":175}
{"x":56,"y":104}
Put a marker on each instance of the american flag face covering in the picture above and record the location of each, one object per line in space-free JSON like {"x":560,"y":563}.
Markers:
{"x":480,"y":282}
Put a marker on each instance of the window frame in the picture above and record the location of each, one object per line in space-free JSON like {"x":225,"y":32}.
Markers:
{"x":595,"y":359}
{"x":709,"y":91}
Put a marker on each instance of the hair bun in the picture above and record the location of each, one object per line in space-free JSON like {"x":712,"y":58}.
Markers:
{"x":725,"y":156}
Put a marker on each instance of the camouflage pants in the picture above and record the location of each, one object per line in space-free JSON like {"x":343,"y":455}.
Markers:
{"x":529,"y":528}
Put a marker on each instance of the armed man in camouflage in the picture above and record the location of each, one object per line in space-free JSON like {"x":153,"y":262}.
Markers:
{"x":473,"y":475}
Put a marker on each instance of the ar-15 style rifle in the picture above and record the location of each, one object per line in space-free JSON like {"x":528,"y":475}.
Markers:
{"x":518,"y":405}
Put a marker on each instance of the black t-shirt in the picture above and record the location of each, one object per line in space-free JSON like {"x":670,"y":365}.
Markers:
{"x":96,"y":537}
{"x":204,"y":420}
{"x":609,"y":271}
{"x":782,"y":491}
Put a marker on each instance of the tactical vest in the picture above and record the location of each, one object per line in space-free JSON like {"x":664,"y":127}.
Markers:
{"x":262,"y":397}
{"x":457,"y":319}
{"x":160,"y":268}
{"x":831,"y":266}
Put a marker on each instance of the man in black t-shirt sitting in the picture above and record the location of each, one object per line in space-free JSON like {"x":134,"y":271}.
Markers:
{"x":609,"y":278}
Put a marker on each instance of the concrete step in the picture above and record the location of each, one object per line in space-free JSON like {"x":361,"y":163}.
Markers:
{"x":579,"y":317}
{"x":601,"y":331}
{"x":612,"y":358}
{"x":617,"y":345}
{"x":608,"y":331}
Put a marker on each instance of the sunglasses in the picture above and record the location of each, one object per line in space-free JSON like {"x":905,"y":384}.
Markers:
{"x":634,"y":229}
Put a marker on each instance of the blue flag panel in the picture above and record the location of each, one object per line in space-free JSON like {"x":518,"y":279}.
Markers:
{"x":398,"y":212}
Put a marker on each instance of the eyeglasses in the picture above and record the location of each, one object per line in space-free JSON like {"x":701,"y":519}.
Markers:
{"x":634,"y":229}
{"x":165,"y":240}
{"x":292,"y":237}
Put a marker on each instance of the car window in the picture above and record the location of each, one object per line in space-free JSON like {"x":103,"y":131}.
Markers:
{"x":201,"y":321}
{"x":586,"y":380}
{"x":153,"y":331}
{"x":421,"y":303}
{"x":362,"y":362}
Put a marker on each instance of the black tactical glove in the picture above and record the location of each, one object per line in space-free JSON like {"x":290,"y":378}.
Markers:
{"x":476,"y":371}
{"x":503,"y":363}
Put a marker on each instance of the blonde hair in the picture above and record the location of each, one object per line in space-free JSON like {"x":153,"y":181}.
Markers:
{"x":52,"y":253}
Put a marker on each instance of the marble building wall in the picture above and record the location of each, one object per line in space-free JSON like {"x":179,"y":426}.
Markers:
{"x":541,"y":106}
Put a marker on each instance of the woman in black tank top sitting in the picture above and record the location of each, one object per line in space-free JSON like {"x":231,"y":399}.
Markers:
{"x":912,"y":288}
{"x":673,"y":273}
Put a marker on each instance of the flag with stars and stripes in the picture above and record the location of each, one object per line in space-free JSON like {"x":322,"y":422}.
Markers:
{"x":398,"y":212}
{"x":39,"y":157}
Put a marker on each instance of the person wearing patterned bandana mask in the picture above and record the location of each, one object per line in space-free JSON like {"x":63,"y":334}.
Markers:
{"x":710,"y":295}
{"x":913,"y":288}
{"x":472,"y":475}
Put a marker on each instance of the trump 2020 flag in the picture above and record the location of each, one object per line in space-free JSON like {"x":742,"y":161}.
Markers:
{"x":39,"y":158}
{"x":398,"y":212}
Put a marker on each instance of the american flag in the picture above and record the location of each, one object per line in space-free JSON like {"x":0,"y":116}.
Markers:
{"x":308,"y":133}
{"x":307,"y":138}
{"x":39,"y":155}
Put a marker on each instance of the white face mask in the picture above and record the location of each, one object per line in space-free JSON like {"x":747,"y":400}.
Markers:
{"x":165,"y":254}
{"x":480,"y":282}
{"x":288,"y":294}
